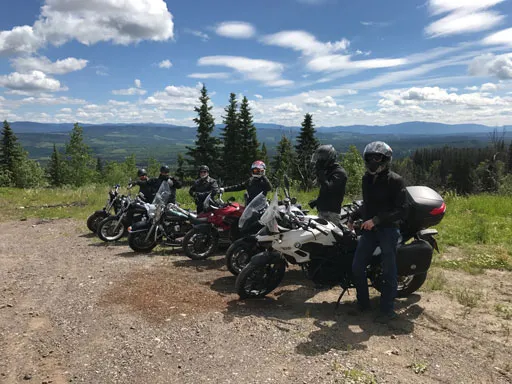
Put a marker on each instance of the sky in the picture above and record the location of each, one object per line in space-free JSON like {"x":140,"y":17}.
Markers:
{"x":346,"y":62}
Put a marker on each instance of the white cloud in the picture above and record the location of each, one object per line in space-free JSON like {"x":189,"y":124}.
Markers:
{"x":32,"y":81}
{"x":304,"y":42}
{"x":324,"y":102}
{"x":131,"y":91}
{"x":490,"y":65}
{"x":464,"y":16}
{"x":137,"y":83}
{"x":43,"y":64}
{"x":235,"y":30}
{"x":66,"y":110}
{"x":101,"y":70}
{"x":375,"y":23}
{"x":165,"y":64}
{"x":89,"y":22}
{"x":472,"y":88}
{"x":212,"y":75}
{"x":265,"y":71}
{"x":50,"y":100}
{"x":258,"y":96}
{"x":342,"y":62}
{"x":501,"y":37}
{"x":489,"y":87}
{"x":203,"y":36}
{"x":287,"y":107}
{"x":174,"y":98}
{"x":118,"y":103}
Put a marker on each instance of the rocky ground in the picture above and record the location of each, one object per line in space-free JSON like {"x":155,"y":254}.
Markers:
{"x":73,"y":309}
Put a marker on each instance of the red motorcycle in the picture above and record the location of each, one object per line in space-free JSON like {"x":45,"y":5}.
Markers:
{"x":221,"y":227}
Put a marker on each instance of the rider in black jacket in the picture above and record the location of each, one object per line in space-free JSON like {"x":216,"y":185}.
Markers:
{"x":202,"y":187}
{"x":164,"y":176}
{"x":256,"y":184}
{"x":144,"y":187}
{"x":332,"y":180}
{"x":384,"y":207}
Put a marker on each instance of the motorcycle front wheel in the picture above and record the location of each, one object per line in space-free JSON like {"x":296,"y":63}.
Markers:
{"x":259,"y":280}
{"x":94,"y":219}
{"x":239,"y":254}
{"x":141,"y":242}
{"x":110,"y":229}
{"x":198,"y":245}
{"x":410,"y":284}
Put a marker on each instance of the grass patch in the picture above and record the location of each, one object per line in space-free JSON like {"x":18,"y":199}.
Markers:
{"x":478,"y":258}
{"x":436,"y":281}
{"x":419,"y":367}
{"x":504,"y":310}
{"x":355,"y":376}
{"x":468,"y":298}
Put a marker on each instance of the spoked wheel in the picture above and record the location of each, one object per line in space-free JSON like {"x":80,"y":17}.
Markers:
{"x":141,"y":242}
{"x":110,"y":229}
{"x":239,"y":254}
{"x":410,"y":284}
{"x":259,"y":280}
{"x":94,"y":220}
{"x":198,"y":245}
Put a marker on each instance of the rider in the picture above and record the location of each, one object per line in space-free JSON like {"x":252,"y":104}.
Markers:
{"x":255,"y":184}
{"x":202,"y":187}
{"x":144,"y":186}
{"x":384,"y":207}
{"x":332,"y":179}
{"x":164,"y":176}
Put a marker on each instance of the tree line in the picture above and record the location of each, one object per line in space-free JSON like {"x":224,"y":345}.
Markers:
{"x":229,"y":157}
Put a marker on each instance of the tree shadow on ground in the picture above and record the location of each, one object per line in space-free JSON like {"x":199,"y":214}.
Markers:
{"x":89,"y":235}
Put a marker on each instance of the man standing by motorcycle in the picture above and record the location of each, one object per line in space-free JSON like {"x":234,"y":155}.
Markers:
{"x":384,"y":207}
{"x":164,"y":176}
{"x":256,"y":184}
{"x":202,"y":187}
{"x":332,"y":179}
{"x":144,"y":187}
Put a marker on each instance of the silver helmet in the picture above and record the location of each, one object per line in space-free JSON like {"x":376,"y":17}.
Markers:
{"x":377,"y":156}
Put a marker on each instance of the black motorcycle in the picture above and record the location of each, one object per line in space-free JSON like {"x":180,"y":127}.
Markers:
{"x":113,"y":202}
{"x":325,"y":251}
{"x":167,"y":224}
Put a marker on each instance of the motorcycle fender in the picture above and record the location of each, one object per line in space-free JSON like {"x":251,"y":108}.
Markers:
{"x":266,"y":258}
{"x":414,"y":258}
{"x":140,"y":226}
{"x":101,"y":212}
{"x":203,"y":228}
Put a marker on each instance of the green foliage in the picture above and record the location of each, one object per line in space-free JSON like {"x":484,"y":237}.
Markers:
{"x":282,"y":161}
{"x":249,"y":144}
{"x":79,"y":163}
{"x":306,"y":145}
{"x":353,"y":163}
{"x":231,"y":137}
{"x":180,"y":171}
{"x":206,"y":149}
{"x":153,"y":166}
{"x":11,"y":155}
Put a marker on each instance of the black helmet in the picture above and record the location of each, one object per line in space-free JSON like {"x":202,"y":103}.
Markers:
{"x":324,"y":156}
{"x":141,"y":172}
{"x":377,"y":156}
{"x":204,"y":168}
{"x":165,"y":169}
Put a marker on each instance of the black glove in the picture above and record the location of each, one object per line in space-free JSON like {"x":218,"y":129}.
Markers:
{"x":312,"y":204}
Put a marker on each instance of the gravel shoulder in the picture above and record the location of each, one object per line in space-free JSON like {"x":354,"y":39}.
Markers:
{"x":73,"y":309}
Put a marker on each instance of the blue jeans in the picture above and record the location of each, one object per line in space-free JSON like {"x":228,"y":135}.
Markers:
{"x":387,"y":239}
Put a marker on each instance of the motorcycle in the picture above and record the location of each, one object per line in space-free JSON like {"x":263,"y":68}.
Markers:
{"x":113,"y":227}
{"x":325,"y":251}
{"x":241,"y":250}
{"x":167,"y":223}
{"x":113,"y":202}
{"x":220,"y":226}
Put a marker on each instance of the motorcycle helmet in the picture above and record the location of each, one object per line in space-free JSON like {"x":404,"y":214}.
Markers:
{"x":324,"y":156}
{"x":377,"y":156}
{"x":141,"y":172}
{"x":165,"y":169}
{"x":258,"y":168}
{"x":204,"y":171}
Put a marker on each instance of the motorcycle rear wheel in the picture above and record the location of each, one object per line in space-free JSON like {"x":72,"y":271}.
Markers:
{"x":239,"y":254}
{"x":407,"y":285}
{"x":109,"y":229}
{"x":259,"y":280}
{"x":138,"y":242}
{"x":198,"y":245}
{"x":94,"y":219}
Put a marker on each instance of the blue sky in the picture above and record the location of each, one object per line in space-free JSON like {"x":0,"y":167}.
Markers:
{"x":346,"y":62}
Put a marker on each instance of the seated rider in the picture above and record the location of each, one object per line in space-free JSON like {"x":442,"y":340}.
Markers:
{"x":255,"y":184}
{"x":202,"y":187}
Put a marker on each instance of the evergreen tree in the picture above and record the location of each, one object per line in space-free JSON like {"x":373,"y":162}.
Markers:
{"x":55,"y":168}
{"x":231,"y":152}
{"x":11,"y":154}
{"x":282,"y":160}
{"x":353,"y":163}
{"x":99,"y":165}
{"x":509,"y":158}
{"x":153,"y":168}
{"x":80,"y":166}
{"x":248,"y":138}
{"x":263,"y":156}
{"x":206,"y":148}
{"x":180,"y":171}
{"x":307,"y":143}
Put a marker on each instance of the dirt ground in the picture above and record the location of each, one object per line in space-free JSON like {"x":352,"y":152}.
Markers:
{"x":73,"y":309}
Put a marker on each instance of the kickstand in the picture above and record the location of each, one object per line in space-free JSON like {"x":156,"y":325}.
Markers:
{"x":339,"y":298}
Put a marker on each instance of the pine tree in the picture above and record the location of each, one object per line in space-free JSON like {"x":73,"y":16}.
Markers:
{"x":99,"y":165}
{"x":509,"y":159}
{"x":307,"y":143}
{"x":231,"y":151}
{"x":54,"y":169}
{"x":180,"y":171}
{"x":248,"y":138}
{"x":11,"y":154}
{"x":263,"y":155}
{"x":79,"y":163}
{"x":283,"y":160}
{"x":206,"y":148}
